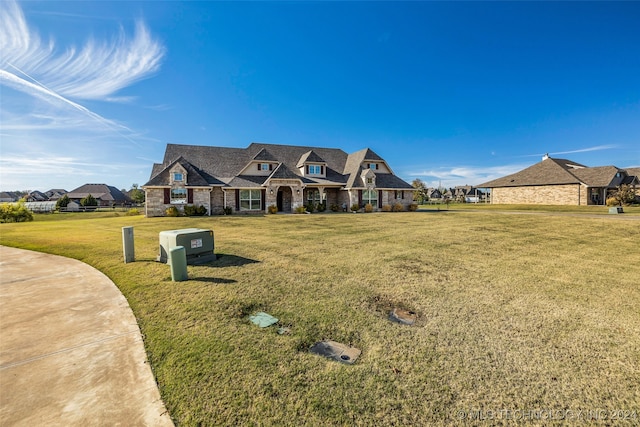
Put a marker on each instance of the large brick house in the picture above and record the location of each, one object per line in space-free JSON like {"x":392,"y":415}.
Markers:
{"x":249,"y":180}
{"x":560,"y":182}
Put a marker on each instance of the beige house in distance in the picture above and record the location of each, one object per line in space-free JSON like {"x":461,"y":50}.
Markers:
{"x":249,"y":180}
{"x":560,"y":182}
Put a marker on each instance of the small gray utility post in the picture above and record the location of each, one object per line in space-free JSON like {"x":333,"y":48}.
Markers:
{"x":127,"y":244}
{"x":178,"y":263}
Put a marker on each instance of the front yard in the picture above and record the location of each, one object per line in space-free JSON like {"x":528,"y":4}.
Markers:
{"x":515,"y":313}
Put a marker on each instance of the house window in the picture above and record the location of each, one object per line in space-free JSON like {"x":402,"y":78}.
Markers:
{"x":373,"y":166}
{"x":315,"y":169}
{"x":178,"y":176}
{"x":264,"y":166}
{"x":369,"y":180}
{"x":178,"y":195}
{"x":370,"y":196}
{"x":313,"y":196}
{"x":250,"y":199}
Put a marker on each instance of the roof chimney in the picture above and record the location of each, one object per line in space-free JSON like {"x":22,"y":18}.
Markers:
{"x":545,"y":157}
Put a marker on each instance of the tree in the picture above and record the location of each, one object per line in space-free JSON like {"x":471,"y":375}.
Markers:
{"x":420,"y":192}
{"x":624,"y":195}
{"x":89,"y":201}
{"x":63,"y":202}
{"x":137,"y":194}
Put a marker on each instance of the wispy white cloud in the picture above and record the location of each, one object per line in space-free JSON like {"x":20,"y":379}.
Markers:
{"x":579,"y":150}
{"x":95,"y":71}
{"x":48,"y":135}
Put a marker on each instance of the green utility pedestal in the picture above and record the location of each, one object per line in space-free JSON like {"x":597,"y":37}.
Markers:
{"x":178,"y":258}
{"x":127,"y":245}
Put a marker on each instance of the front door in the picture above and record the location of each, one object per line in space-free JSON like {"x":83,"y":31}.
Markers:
{"x":283,"y":199}
{"x":279,"y":200}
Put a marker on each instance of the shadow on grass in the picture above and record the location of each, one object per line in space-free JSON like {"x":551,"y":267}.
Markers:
{"x":224,"y":260}
{"x":213,"y":280}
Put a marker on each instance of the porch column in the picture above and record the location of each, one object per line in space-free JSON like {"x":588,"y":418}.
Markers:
{"x":297,"y":196}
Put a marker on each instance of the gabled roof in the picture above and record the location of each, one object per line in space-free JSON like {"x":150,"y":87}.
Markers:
{"x":560,"y":171}
{"x":195,"y":177}
{"x":547,"y":172}
{"x":309,"y":156}
{"x":99,"y":191}
{"x":633,"y":172}
{"x":283,"y":172}
{"x":602,"y":176}
{"x":265,"y":156}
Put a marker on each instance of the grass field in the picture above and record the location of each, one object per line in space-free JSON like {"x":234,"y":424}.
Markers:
{"x":516,"y":312}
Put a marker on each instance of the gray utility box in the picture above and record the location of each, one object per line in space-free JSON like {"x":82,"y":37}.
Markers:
{"x":197,"y":242}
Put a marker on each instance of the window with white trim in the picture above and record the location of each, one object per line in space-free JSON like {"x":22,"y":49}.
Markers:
{"x":370,"y":196}
{"x":373,"y":166}
{"x":315,"y":169}
{"x":178,"y":196}
{"x":178,"y":176}
{"x":313,"y":196}
{"x":250,"y":200}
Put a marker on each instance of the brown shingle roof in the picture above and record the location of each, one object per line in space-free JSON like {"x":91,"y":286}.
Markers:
{"x":547,"y":172}
{"x":224,"y":164}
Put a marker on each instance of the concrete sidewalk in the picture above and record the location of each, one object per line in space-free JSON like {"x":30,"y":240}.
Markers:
{"x":71,"y":352}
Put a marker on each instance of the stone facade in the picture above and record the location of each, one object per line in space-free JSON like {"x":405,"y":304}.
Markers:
{"x":264,"y":175}
{"x":568,"y":194}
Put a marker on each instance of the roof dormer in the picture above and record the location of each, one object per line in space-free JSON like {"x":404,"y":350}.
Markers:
{"x":312,"y":165}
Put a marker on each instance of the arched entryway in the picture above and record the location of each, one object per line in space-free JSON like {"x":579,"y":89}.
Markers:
{"x":284,"y":199}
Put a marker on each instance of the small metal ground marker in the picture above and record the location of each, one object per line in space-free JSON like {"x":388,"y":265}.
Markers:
{"x":405,"y":317}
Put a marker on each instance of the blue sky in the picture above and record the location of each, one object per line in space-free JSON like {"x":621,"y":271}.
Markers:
{"x":452,"y":93}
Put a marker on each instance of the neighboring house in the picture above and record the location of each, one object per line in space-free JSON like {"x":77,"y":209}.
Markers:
{"x":560,"y":182}
{"x":253,"y":178}
{"x":433,"y":193}
{"x":55,"y":193}
{"x":467,"y":193}
{"x":37,"y":196}
{"x":10,"y":196}
{"x":106,"y":195}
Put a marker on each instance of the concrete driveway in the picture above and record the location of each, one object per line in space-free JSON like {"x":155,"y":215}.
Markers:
{"x":71,"y":352}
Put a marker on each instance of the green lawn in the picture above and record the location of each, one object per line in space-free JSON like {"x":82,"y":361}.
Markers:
{"x":515,"y":312}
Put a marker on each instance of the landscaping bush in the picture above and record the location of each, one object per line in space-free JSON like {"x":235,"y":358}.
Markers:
{"x":398,"y":207}
{"x":322,"y":207}
{"x":413,"y":207}
{"x":192,"y":210}
{"x":624,"y":195}
{"x":334,"y":208}
{"x":386,"y":208}
{"x":133,"y":212}
{"x":15,"y":212}
{"x":227,"y":210}
{"x":301,"y":209}
{"x":368,"y":208}
{"x":613,"y":201}
{"x":172,"y":211}
{"x":273,"y":209}
{"x":355,"y":207}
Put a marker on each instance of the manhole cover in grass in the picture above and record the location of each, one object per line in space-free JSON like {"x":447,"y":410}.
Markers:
{"x":405,"y":317}
{"x":336,"y":351}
